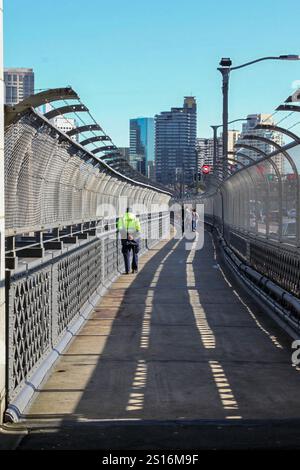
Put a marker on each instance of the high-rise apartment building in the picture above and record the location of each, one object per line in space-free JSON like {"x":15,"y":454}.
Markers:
{"x":175,"y":142}
{"x":142,"y":145}
{"x":249,"y":128}
{"x":19,"y":83}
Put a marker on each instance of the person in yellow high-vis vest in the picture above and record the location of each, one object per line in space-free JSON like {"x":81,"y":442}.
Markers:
{"x":129,"y":228}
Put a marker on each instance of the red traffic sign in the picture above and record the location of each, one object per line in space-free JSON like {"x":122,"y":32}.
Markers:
{"x":206,"y":169}
{"x":291,"y":176}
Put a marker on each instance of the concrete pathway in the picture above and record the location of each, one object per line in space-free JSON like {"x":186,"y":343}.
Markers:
{"x":178,"y":341}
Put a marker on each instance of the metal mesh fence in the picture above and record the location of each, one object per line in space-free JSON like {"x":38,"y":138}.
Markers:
{"x":262,"y":199}
{"x":51,"y":181}
{"x":52,"y":186}
{"x":43,"y":302}
{"x":29,"y":323}
{"x":257,"y":210}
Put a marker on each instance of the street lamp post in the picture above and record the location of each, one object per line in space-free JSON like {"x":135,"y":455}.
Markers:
{"x":215,"y":150}
{"x":215,"y":131}
{"x":182,"y":181}
{"x":225,"y":70}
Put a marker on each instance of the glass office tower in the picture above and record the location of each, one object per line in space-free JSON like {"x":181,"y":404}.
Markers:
{"x":142,"y":145}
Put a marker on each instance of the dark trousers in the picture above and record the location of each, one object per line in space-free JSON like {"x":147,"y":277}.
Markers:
{"x":194,"y":225}
{"x":129,"y":246}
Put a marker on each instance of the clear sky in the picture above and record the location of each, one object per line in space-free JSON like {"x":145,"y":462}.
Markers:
{"x":130,"y":58}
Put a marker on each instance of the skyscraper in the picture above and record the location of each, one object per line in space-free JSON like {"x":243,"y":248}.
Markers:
{"x":175,"y":142}
{"x":142,"y":145}
{"x":249,"y":128}
{"x":19,"y":83}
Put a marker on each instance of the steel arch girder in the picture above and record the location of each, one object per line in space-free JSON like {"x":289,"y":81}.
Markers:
{"x":279,"y":129}
{"x":103,"y":149}
{"x":75,"y":108}
{"x":98,"y":138}
{"x":288,"y":107}
{"x":86,"y":128}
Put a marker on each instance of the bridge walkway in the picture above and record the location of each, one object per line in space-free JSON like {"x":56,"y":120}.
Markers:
{"x":177,"y":341}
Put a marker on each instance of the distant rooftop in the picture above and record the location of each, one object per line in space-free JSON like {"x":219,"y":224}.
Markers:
{"x":17,"y":69}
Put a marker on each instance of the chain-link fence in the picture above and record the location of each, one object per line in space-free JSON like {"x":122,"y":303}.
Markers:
{"x":43,"y":301}
{"x":256,"y":211}
{"x":51,"y":181}
{"x":65,"y":242}
{"x":262,"y":199}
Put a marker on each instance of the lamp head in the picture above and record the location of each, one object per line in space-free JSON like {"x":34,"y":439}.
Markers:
{"x":226,"y":62}
{"x":289,"y":57}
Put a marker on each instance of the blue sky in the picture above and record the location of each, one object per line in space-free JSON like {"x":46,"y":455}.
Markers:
{"x":137,"y":58}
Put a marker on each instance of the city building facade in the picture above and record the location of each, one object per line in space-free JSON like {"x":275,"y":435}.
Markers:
{"x":65,"y":124}
{"x":249,"y":128}
{"x":205,"y":151}
{"x":62,"y":122}
{"x":233,"y":137}
{"x":19,"y":84}
{"x":175,"y":143}
{"x":205,"y":148}
{"x":125,"y":152}
{"x":142,"y":144}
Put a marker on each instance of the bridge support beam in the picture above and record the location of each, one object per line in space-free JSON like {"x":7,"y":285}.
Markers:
{"x":2,"y":235}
